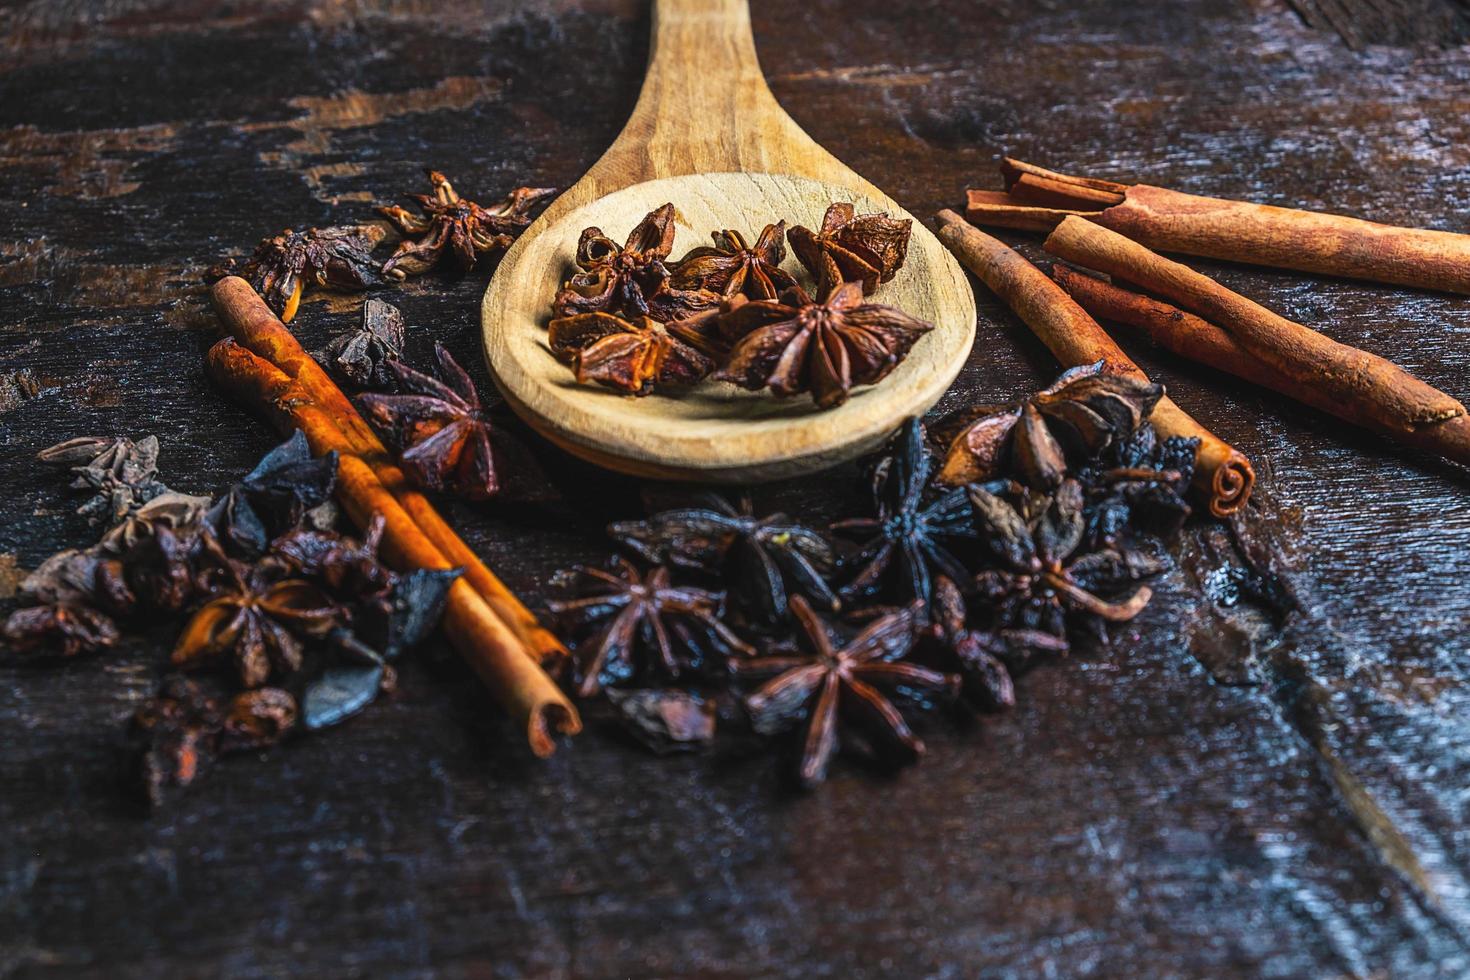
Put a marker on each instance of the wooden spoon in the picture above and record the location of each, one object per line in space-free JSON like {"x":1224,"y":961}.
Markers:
{"x":708,"y":136}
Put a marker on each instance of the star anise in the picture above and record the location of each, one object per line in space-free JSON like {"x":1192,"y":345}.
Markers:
{"x":797,"y":344}
{"x":906,"y":539}
{"x":455,"y":231}
{"x":439,"y":426}
{"x":982,"y":657}
{"x":835,"y":680}
{"x":762,"y":558}
{"x":333,"y":258}
{"x":867,"y":248}
{"x":1082,"y":412}
{"x":180,"y":727}
{"x":362,"y":355}
{"x":1044,"y":577}
{"x":273,"y":498}
{"x":64,"y":628}
{"x":635,"y":357}
{"x":733,"y":267}
{"x":1139,"y":481}
{"x":258,"y":618}
{"x":122,"y":474}
{"x":630,"y":280}
{"x":644,"y":625}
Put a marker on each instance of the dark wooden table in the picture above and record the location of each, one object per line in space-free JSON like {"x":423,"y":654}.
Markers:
{"x":1219,"y":795}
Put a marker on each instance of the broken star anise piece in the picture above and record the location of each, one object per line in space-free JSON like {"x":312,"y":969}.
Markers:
{"x":272,"y":498}
{"x":982,"y":657}
{"x":906,"y":541}
{"x":635,"y":357}
{"x":834,"y":680}
{"x":644,"y":626}
{"x":1082,"y":412}
{"x":180,"y":728}
{"x":439,"y":426}
{"x":630,"y":280}
{"x":762,"y":558}
{"x":454,"y":231}
{"x":867,"y":248}
{"x":122,"y":474}
{"x":362,"y":355}
{"x":67,"y":629}
{"x":333,"y":258}
{"x":1045,"y":580}
{"x":797,"y":344}
{"x":732,"y":267}
{"x":1140,"y":482}
{"x":258,"y":618}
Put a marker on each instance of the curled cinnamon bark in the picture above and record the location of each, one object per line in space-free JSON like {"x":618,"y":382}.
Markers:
{"x":1189,"y":336}
{"x":480,"y":636}
{"x":1365,"y":383}
{"x":252,"y":323}
{"x":1223,"y":476}
{"x":1286,"y":238}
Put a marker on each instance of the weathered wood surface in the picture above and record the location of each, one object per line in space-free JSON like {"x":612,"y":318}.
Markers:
{"x":1216,"y":797}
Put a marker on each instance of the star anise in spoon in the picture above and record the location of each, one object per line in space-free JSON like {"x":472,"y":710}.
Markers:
{"x":454,"y":231}
{"x":630,"y":280}
{"x":1082,"y":412}
{"x":825,"y":346}
{"x":257,"y":618}
{"x":867,"y":248}
{"x":1045,"y":578}
{"x":762,"y":558}
{"x":635,"y":356}
{"x":733,"y":267}
{"x":439,"y":426}
{"x":907,"y":540}
{"x":641,"y":626}
{"x":835,"y":680}
{"x":331,"y":258}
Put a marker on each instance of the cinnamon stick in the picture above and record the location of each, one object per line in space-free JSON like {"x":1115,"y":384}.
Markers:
{"x":254,"y":325}
{"x":1368,"y":385}
{"x":1189,"y":336}
{"x":1223,"y":476}
{"x":477,"y":633}
{"x":1037,"y":199}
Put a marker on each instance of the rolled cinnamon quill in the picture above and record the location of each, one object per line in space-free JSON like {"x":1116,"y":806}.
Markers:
{"x":477,"y":633}
{"x":1284,"y":238}
{"x":1367,"y":385}
{"x":256,"y":326}
{"x":1189,"y":336}
{"x":1223,"y":476}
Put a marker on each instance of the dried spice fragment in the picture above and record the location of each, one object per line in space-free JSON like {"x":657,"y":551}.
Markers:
{"x":331,"y":258}
{"x":121,"y":473}
{"x":635,"y":357}
{"x":732,"y":267}
{"x":1077,"y":416}
{"x":835,"y":680}
{"x":796,"y":344}
{"x":867,"y":249}
{"x":1139,"y":482}
{"x":257,"y":719}
{"x":454,"y":231}
{"x":180,"y":727}
{"x":906,"y":542}
{"x":638,"y":626}
{"x":258,"y":618}
{"x":665,"y":721}
{"x":762,"y":558}
{"x":1045,"y":579}
{"x":272,"y":498}
{"x":983,"y":658}
{"x":67,"y":629}
{"x":361,"y":356}
{"x":439,"y":426}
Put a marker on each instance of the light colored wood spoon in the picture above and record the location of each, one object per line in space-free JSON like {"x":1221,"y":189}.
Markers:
{"x":708,"y":136}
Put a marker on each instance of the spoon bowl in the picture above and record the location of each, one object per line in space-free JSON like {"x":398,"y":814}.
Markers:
{"x":708,"y":136}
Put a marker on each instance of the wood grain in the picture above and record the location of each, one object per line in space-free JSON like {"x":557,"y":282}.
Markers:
{"x":708,"y":136}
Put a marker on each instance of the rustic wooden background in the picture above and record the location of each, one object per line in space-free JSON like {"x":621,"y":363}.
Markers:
{"x":1221,"y":795}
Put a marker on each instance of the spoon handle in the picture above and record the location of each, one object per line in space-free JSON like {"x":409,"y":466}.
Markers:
{"x":705,"y":106}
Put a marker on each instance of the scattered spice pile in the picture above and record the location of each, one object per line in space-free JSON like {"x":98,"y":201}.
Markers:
{"x":632,"y":321}
{"x":304,"y":620}
{"x":1036,"y":531}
